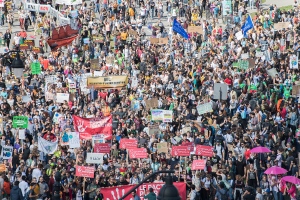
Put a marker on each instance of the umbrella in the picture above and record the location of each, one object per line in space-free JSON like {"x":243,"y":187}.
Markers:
{"x":275,"y":170}
{"x":260,"y":150}
{"x":291,"y":179}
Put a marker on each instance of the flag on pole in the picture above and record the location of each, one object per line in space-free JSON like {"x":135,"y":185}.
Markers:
{"x":46,"y":146}
{"x":179,"y":29}
{"x":248,"y":25}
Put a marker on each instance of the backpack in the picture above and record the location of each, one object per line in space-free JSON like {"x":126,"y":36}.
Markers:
{"x":198,"y":196}
{"x":26,"y":196}
{"x":224,"y":196}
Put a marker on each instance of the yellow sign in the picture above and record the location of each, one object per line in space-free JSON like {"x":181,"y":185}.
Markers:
{"x":107,"y":82}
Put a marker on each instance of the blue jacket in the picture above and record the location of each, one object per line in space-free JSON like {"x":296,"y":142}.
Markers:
{"x":16,"y":193}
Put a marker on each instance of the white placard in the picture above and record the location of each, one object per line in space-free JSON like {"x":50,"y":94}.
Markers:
{"x":239,"y":35}
{"x":62,"y":97}
{"x":95,"y":158}
{"x":22,"y":134}
{"x":259,"y":54}
{"x":26,"y":98}
{"x":244,"y":56}
{"x":74,"y":141}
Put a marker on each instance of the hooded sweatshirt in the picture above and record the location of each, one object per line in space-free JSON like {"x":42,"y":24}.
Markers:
{"x":16,"y":193}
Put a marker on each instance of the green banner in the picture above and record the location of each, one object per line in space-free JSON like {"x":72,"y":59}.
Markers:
{"x":35,"y":68}
{"x":20,"y":122}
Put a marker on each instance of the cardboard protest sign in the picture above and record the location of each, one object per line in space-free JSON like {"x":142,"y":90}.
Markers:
{"x":162,"y":147}
{"x":180,"y":151}
{"x":251,"y":62}
{"x":151,"y":103}
{"x":128,"y":143}
{"x":186,"y":129}
{"x":83,"y":171}
{"x":133,"y":32}
{"x":20,"y":122}
{"x":153,"y":129}
{"x":281,"y":25}
{"x":198,"y":164}
{"x":204,"y":108}
{"x":2,"y":167}
{"x":154,"y":40}
{"x":95,"y":64}
{"x":195,"y":29}
{"x":163,"y":41}
{"x":296,"y":90}
{"x":272,"y":72}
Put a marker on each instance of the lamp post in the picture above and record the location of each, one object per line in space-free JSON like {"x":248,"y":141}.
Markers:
{"x":167,"y":192}
{"x":17,"y":65}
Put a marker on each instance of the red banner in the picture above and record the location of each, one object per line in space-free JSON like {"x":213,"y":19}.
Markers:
{"x":93,"y":126}
{"x":203,"y":150}
{"x":190,"y":145}
{"x":102,"y":148}
{"x":180,"y":151}
{"x":138,"y":153}
{"x":118,"y":192}
{"x":128,"y":144}
{"x":198,"y":164}
{"x":83,"y":171}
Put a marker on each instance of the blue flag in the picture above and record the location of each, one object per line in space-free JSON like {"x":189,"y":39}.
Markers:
{"x":247,"y":26}
{"x":179,"y":29}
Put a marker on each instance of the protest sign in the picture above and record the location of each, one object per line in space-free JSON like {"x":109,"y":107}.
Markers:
{"x":296,"y":90}
{"x":113,"y":193}
{"x":281,"y":25}
{"x":24,"y":47}
{"x":239,"y":35}
{"x":99,"y":39}
{"x":26,"y":98}
{"x":102,"y":148}
{"x":133,"y":32}
{"x":244,"y":56}
{"x":151,"y":103}
{"x":138,"y":153}
{"x":95,"y":64}
{"x":204,"y":108}
{"x":135,"y":105}
{"x":20,"y":122}
{"x":48,"y":147}
{"x":198,"y":164}
{"x":293,"y":62}
{"x":83,"y":171}
{"x":259,"y":54}
{"x":180,"y":151}
{"x":154,"y":40}
{"x":162,"y":147}
{"x":2,"y":167}
{"x":22,"y":134}
{"x":74,"y":141}
{"x":186,"y":129}
{"x":157,"y":115}
{"x":7,"y":152}
{"x":163,"y":41}
{"x":190,"y":145}
{"x":1,"y":125}
{"x":107,"y":82}
{"x":98,"y":139}
{"x":167,"y":116}
{"x":62,"y":97}
{"x":128,"y":143}
{"x":272,"y":72}
{"x":203,"y":150}
{"x":29,"y":42}
{"x":195,"y":29}
{"x":153,"y":129}
{"x":94,"y":158}
{"x":35,"y":68}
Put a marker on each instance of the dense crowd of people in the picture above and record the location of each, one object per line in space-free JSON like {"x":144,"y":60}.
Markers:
{"x":165,"y":71}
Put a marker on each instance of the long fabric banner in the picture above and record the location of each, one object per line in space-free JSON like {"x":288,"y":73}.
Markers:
{"x":107,"y":82}
{"x":115,"y":193}
{"x":93,"y":126}
{"x":47,"y":9}
{"x":47,"y":147}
